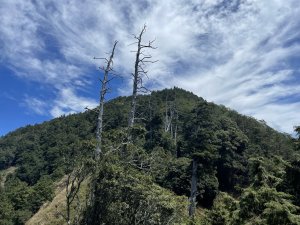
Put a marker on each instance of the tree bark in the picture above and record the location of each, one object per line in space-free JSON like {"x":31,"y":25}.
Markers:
{"x":102,"y":101}
{"x":135,"y":79}
{"x":193,"y":196}
{"x":141,"y":59}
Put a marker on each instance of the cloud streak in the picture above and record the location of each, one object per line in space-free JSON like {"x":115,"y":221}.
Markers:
{"x":240,"y":53}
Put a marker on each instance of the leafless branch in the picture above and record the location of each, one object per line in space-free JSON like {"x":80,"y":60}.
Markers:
{"x":104,"y":90}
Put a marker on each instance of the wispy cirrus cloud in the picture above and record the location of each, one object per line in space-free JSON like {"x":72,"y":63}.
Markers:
{"x":69,"y":102}
{"x":240,"y":53}
{"x":36,"y":105}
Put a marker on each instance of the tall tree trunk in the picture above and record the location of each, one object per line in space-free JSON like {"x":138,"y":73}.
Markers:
{"x":141,"y":59}
{"x":136,"y":78}
{"x":193,"y":196}
{"x":68,"y":210}
{"x":166,"y":117}
{"x":175,"y":134}
{"x":102,"y":101}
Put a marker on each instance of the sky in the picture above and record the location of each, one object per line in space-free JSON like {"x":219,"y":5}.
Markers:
{"x":244,"y":54}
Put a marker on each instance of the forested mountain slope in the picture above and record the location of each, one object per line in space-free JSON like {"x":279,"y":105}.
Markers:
{"x":246,"y":171}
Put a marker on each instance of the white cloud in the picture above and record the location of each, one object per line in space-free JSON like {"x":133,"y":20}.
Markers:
{"x":69,"y":102}
{"x":236,"y":52}
{"x":36,"y":105}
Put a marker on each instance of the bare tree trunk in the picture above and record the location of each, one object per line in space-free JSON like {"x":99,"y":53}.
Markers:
{"x":135,"y":79}
{"x":133,"y":104}
{"x":166,"y":117}
{"x":73,"y":184}
{"x":68,"y":210}
{"x":193,"y":196}
{"x":139,"y":71}
{"x":171,"y":112}
{"x":175,"y":133}
{"x":102,"y":101}
{"x":150,"y":119}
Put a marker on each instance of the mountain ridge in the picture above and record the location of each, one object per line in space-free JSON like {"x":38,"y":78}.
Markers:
{"x":173,"y":126}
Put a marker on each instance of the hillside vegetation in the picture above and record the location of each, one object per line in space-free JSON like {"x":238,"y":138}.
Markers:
{"x":246,"y":172}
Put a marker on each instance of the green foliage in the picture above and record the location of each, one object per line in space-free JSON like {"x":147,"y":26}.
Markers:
{"x":222,"y":211}
{"x":18,"y":192}
{"x":231,"y":144}
{"x":21,"y":216}
{"x":20,"y":201}
{"x":177,"y":176}
{"x":267,"y":172}
{"x":126,"y":196}
{"x":43,"y":191}
{"x":6,"y":210}
{"x":237,"y":156}
{"x":262,"y":206}
{"x":291,"y":180}
{"x":261,"y":203}
{"x":17,"y":200}
{"x":266,"y":206}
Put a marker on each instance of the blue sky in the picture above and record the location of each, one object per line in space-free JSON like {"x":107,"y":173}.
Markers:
{"x":244,"y":54}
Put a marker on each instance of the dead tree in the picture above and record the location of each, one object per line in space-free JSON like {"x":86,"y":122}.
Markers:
{"x":77,"y":168}
{"x":141,"y":60}
{"x":168,"y":119}
{"x":171,"y":119}
{"x":73,"y":184}
{"x":175,"y":130}
{"x":103,"y":91}
{"x":192,"y":206}
{"x":169,"y":116}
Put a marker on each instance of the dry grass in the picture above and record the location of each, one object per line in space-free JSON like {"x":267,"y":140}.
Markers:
{"x":5,"y":173}
{"x":47,"y":214}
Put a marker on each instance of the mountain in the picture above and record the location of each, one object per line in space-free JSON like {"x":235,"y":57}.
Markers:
{"x":246,"y":172}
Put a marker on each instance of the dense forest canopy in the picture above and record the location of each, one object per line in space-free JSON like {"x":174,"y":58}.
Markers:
{"x":247,"y":172}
